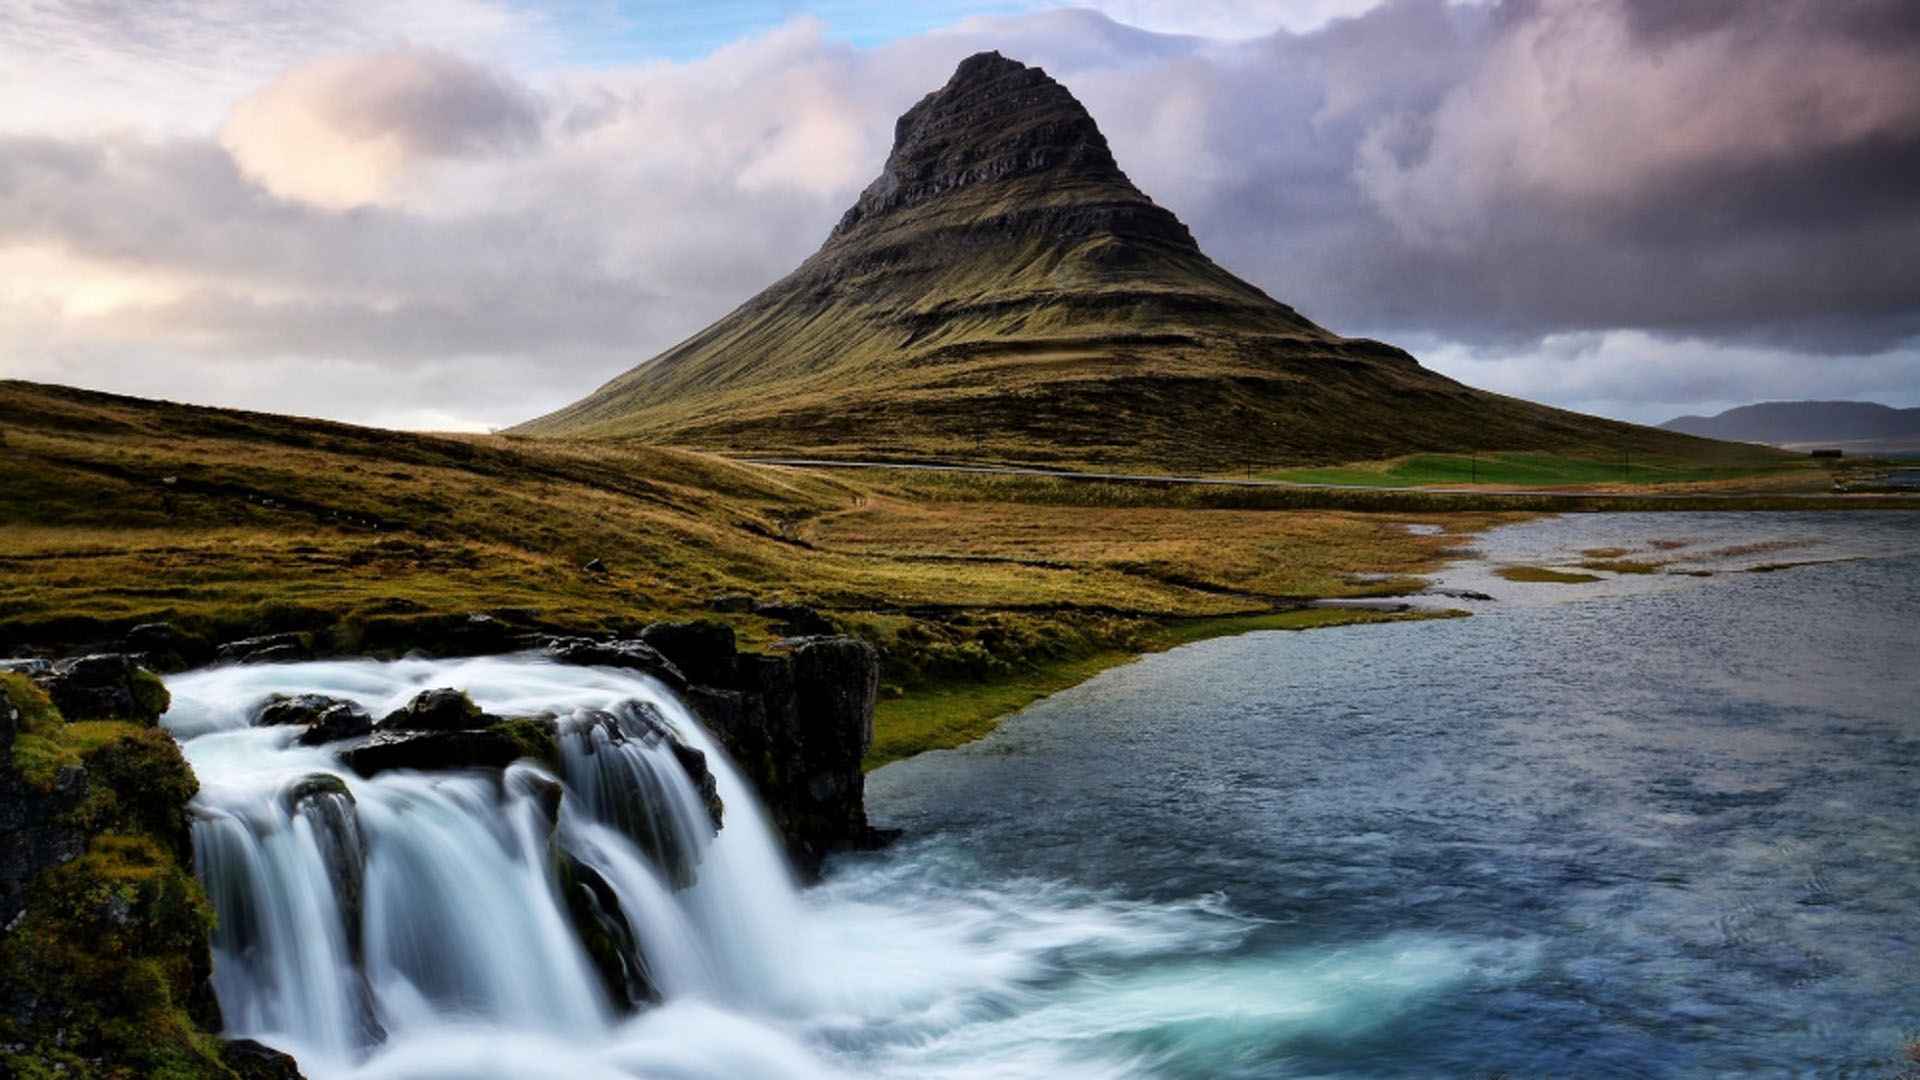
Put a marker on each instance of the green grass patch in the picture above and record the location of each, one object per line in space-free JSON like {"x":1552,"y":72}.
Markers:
{"x":1621,"y":566}
{"x":948,"y":713}
{"x":1517,"y":469}
{"x":1540,"y":575}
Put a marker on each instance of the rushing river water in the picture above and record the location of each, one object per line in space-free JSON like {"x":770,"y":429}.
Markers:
{"x":1658,"y":825}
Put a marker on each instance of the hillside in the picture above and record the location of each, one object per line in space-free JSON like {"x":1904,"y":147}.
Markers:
{"x":1002,"y":290}
{"x":1784,"y":423}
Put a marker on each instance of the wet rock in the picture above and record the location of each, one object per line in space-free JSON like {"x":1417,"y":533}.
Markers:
{"x":641,"y":720}
{"x":798,"y":726}
{"x":442,"y":709}
{"x":105,"y":686}
{"x":432,"y":751}
{"x":694,"y":762}
{"x":632,"y":655}
{"x":267,"y":649}
{"x":329,"y":807}
{"x":734,"y":603}
{"x":604,"y":930}
{"x":797,"y":620}
{"x":252,"y":1060}
{"x":703,"y":650}
{"x":595,"y":566}
{"x":1458,"y":594}
{"x":543,"y":789}
{"x":326,"y":719}
{"x":32,"y":667}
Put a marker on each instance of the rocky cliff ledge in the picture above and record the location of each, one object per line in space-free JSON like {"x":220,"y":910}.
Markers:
{"x":797,"y":721}
{"x":104,"y":957}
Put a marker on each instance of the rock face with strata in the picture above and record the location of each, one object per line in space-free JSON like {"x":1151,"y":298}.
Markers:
{"x":798,"y":725}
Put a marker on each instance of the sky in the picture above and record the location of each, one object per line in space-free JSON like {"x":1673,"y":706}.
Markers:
{"x":460,"y":214}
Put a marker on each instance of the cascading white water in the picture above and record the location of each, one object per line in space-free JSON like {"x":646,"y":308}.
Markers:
{"x":415,"y":925}
{"x":356,"y":912}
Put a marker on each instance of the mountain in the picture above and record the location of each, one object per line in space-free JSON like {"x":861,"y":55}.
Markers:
{"x":1002,"y":289}
{"x":1799,"y":422}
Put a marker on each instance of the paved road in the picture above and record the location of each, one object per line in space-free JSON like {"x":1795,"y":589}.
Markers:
{"x":1148,"y":478}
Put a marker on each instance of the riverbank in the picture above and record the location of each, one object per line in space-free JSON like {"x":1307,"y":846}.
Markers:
{"x":330,"y":540}
{"x":981,"y":592}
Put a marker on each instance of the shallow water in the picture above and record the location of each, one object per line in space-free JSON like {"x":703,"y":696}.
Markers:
{"x":1658,"y":825}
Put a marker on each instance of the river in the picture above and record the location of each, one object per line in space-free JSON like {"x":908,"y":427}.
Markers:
{"x":1655,"y":825}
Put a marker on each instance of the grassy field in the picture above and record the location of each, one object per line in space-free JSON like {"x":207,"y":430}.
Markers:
{"x":1540,"y":575}
{"x":116,"y":511}
{"x":1532,"y":469}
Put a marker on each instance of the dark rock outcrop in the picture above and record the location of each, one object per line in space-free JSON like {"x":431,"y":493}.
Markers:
{"x":267,"y":649}
{"x":326,"y":719}
{"x":329,"y":807}
{"x":487,"y":748}
{"x":798,"y":726}
{"x":252,"y":1060}
{"x":797,"y":620}
{"x":164,"y":647}
{"x":703,"y":650}
{"x":632,"y":655}
{"x":735,"y":602}
{"x":442,"y":709}
{"x":105,"y":686}
{"x":605,"y":932}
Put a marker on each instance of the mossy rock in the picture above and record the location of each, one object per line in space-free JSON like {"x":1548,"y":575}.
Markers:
{"x":40,"y":755}
{"x":140,"y":781}
{"x":535,"y":738}
{"x":150,"y":693}
{"x":112,"y":953}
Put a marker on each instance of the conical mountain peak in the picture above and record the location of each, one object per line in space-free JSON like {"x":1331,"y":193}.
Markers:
{"x":1000,"y":134}
{"x":1002,"y":289}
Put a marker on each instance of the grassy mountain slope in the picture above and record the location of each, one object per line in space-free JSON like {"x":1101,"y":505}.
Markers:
{"x":1003,"y":290}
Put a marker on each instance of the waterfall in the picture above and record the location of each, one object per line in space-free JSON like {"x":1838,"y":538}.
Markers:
{"x":585,"y":918}
{"x":358,"y":913}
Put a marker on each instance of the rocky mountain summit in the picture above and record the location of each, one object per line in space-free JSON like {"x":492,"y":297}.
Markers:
{"x":1003,"y":290}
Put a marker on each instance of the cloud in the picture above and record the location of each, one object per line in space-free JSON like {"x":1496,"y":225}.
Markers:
{"x":80,"y":66}
{"x":1550,"y":197}
{"x":1229,"y":19}
{"x":339,"y":132}
{"x":1651,"y":379}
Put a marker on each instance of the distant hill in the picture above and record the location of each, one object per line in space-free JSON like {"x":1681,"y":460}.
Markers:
{"x":1003,"y":290}
{"x":1791,"y":423}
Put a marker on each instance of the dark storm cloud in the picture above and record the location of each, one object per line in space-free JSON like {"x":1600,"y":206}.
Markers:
{"x":1499,"y":174}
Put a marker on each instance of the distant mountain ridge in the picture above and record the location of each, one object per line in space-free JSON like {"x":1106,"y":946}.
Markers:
{"x":1792,"y":422}
{"x":1002,"y":289}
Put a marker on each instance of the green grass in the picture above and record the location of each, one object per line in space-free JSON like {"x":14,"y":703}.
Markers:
{"x":952,"y":712}
{"x":1542,"y":575}
{"x":1622,"y":566}
{"x":1531,"y":469}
